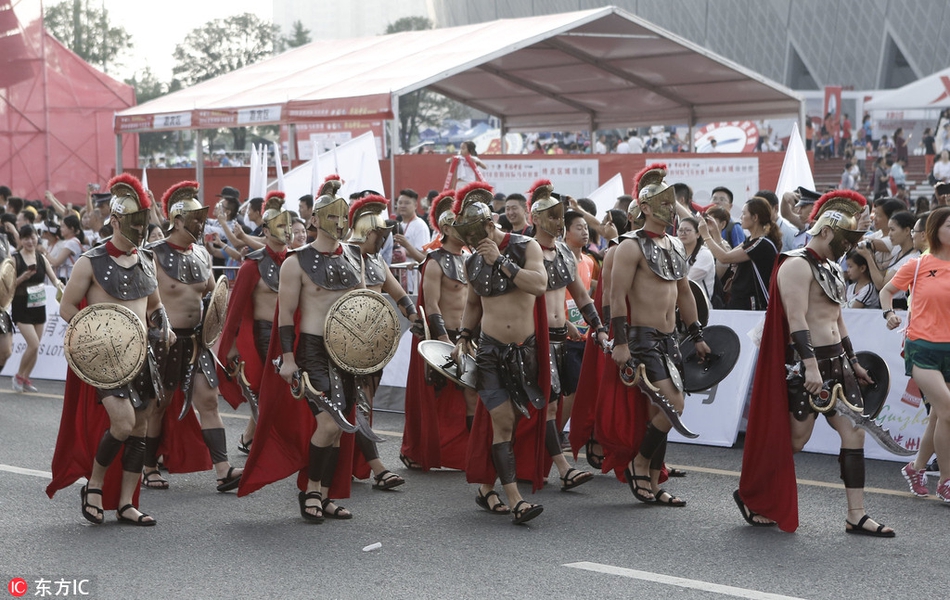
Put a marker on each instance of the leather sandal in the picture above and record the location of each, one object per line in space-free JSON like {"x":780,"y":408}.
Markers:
{"x":410,"y":464}
{"x":593,"y":459}
{"x":140,"y":521}
{"x":859,"y":529}
{"x":484,"y":501}
{"x":99,"y":517}
{"x":338,"y":513}
{"x":664,"y":498}
{"x":748,"y":514}
{"x":574,"y":478}
{"x":302,"y":498}
{"x":229,"y":481}
{"x":153,"y":480}
{"x":243,"y":446}
{"x":523,"y":515}
{"x":638,"y":492}
{"x":387,"y":480}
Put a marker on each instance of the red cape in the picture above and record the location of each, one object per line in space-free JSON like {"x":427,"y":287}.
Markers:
{"x":435,"y":434}
{"x":239,"y":325}
{"x":182,"y":446}
{"x":583,"y":414}
{"x":531,"y":457}
{"x":282,"y":439}
{"x":767,"y":484}
{"x":83,"y":422}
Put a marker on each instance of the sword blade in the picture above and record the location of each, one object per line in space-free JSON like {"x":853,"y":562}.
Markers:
{"x":881,"y":436}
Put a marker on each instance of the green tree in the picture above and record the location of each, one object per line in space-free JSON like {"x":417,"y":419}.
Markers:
{"x":86,"y":30}
{"x":222,"y":46}
{"x":421,"y":108}
{"x":298,"y":36}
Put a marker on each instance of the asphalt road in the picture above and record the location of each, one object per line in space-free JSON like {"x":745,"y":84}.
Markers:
{"x":594,"y":542}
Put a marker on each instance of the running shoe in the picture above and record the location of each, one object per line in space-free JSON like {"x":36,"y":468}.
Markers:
{"x":943,"y":491}
{"x":28,"y":385}
{"x":17,"y":384}
{"x":917,"y":480}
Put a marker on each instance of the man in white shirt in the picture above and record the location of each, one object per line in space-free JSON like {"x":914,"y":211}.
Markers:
{"x":414,"y":235}
{"x":600,"y":146}
{"x":635,"y":144}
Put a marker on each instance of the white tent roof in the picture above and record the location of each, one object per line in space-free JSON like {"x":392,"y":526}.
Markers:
{"x":932,"y":91}
{"x":603,"y":67}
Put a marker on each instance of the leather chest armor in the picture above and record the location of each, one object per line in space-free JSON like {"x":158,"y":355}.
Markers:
{"x":186,"y":268}
{"x":452,"y":265}
{"x":124,"y":283}
{"x":668,"y":264}
{"x":829,"y":276}
{"x":268,"y":269}
{"x":562,"y":269}
{"x":490,"y":280}
{"x":333,"y":272}
{"x":374,"y":271}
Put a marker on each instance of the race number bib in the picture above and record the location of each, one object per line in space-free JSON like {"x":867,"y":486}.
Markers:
{"x":36,"y":295}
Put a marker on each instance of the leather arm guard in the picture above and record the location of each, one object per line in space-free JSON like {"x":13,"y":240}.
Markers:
{"x":408,"y":308}
{"x":436,"y":325}
{"x":801,"y":340}
{"x":506,"y":263}
{"x":288,"y":336}
{"x":606,"y":312}
{"x":593,"y":319}
{"x":619,"y":326}
{"x":158,"y":325}
{"x":695,"y":332}
{"x":849,"y":349}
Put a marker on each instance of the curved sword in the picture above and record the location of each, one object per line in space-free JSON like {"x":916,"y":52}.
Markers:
{"x":634,"y":373}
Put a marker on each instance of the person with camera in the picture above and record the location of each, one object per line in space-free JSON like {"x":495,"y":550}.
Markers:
{"x":29,"y":303}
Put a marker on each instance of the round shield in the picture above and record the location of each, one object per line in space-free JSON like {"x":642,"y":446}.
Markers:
{"x":875,"y":394}
{"x":214,"y":315}
{"x":106,"y":345}
{"x":7,"y":281}
{"x":703,"y":306}
{"x":361,"y":332}
{"x":438,"y":355}
{"x":724,"y":346}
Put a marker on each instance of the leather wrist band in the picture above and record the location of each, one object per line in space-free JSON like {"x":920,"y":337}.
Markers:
{"x":405,"y":303}
{"x":590,"y":315}
{"x":801,"y":340}
{"x":288,"y":336}
{"x":695,"y":332}
{"x":886,"y":311}
{"x":619,"y":325}
{"x":848,"y":348}
{"x":507,"y":263}
{"x":436,"y":325}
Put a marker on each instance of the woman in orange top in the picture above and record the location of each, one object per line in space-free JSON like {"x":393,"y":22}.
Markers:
{"x":927,"y":347}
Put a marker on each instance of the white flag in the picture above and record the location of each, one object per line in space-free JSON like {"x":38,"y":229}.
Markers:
{"x":605,"y":197}
{"x":795,"y":169}
{"x":280,"y":170}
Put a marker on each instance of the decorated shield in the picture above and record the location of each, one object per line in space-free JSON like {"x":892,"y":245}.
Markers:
{"x":724,"y":354}
{"x":875,"y":394}
{"x":438,"y":355}
{"x":361,"y":332}
{"x":214,"y":315}
{"x":106,"y":345}
{"x":7,"y":281}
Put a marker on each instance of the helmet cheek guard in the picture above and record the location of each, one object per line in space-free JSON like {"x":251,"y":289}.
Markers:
{"x":333,"y":213}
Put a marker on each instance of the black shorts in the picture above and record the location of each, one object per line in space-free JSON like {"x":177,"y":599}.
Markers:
{"x":557,"y":336}
{"x":573,"y":358}
{"x":651,"y":347}
{"x":505,"y":371}
{"x":141,"y":389}
{"x":835,"y":368}
{"x":325,"y":376}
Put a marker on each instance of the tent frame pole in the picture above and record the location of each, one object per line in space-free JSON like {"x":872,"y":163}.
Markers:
{"x":199,"y":162}
{"x":394,"y":144}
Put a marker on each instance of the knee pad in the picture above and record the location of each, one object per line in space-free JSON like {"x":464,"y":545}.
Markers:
{"x":108,"y":449}
{"x":652,"y":440}
{"x":134,"y":455}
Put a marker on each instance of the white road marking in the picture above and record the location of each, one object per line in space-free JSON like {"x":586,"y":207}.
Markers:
{"x":693,"y":584}
{"x":22,"y":471}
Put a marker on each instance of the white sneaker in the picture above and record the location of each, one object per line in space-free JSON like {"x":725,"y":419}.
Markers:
{"x":28,"y":386}
{"x":17,"y":386}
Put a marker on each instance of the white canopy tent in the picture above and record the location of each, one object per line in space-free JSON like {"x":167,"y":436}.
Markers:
{"x":584,"y":70}
{"x":931,"y":92}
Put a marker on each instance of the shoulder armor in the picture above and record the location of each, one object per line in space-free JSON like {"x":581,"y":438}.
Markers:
{"x":668,"y":264}
{"x":186,"y":268}
{"x":452,"y":265}
{"x":334,"y":271}
{"x":268,"y":269}
{"x":490,"y":280}
{"x":374,"y":272}
{"x":123,"y":283}
{"x":828,"y":274}
{"x":562,"y":269}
